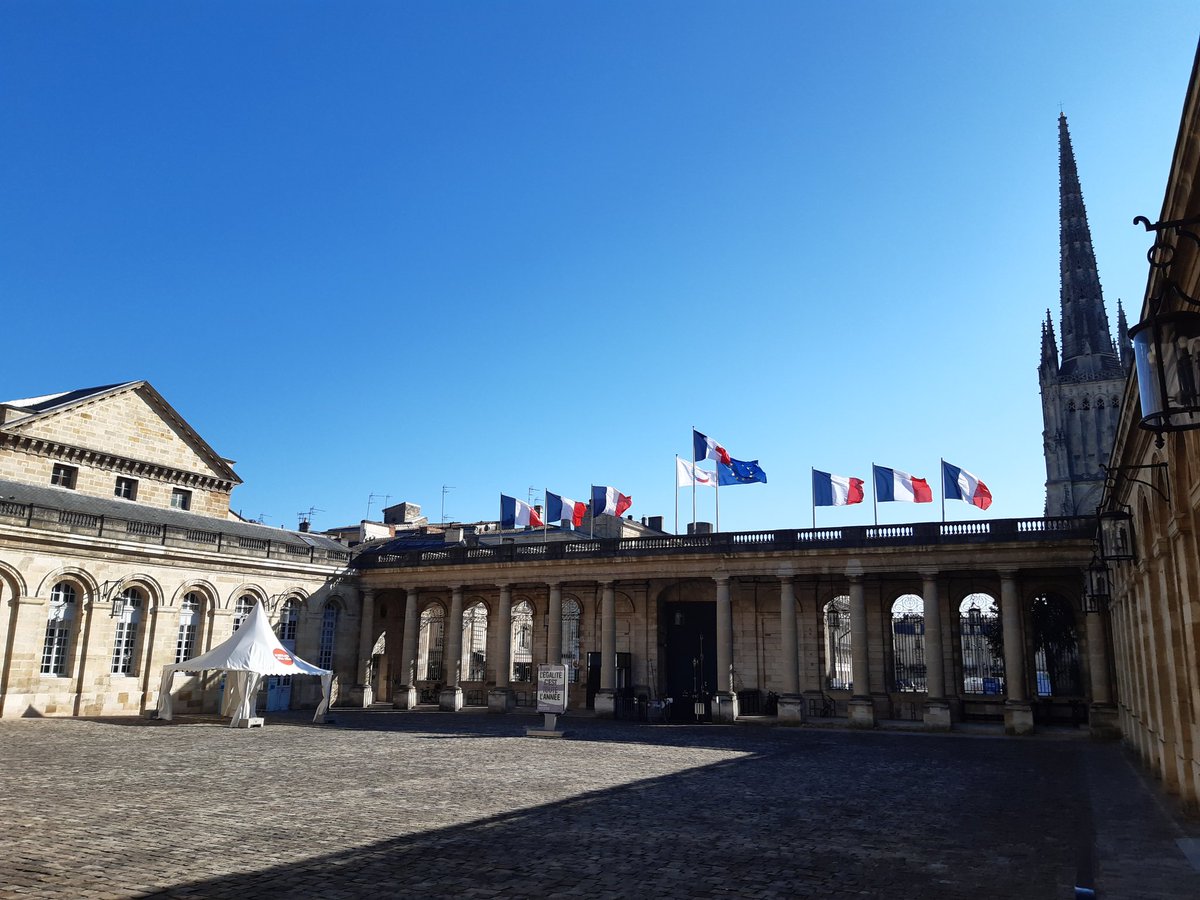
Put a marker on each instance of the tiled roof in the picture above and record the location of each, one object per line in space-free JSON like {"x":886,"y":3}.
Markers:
{"x":49,"y":401}
{"x":73,"y":501}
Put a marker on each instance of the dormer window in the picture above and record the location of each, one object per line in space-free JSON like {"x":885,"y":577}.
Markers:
{"x":181,"y":499}
{"x":126,"y":488}
{"x":64,"y":476}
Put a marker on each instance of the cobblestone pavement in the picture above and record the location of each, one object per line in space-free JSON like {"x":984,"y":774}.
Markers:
{"x":395,"y":804}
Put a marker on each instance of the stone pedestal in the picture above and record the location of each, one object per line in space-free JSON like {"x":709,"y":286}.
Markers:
{"x":791,"y":709}
{"x":861,"y":712}
{"x":724,"y":707}
{"x":501,"y":700}
{"x":450,"y":699}
{"x":1018,"y":718}
{"x":361,"y":696}
{"x":1103,"y":722}
{"x":404,"y":697}
{"x":606,"y":704}
{"x":937,"y":715}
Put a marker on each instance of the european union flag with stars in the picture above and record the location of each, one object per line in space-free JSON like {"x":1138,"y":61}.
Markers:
{"x":740,"y":472}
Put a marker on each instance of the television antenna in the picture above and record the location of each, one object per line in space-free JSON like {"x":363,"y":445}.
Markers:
{"x":372,"y":498}
{"x":307,"y":517}
{"x":446,"y":488}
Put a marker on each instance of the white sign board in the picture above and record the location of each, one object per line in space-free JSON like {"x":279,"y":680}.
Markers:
{"x":552,"y":689}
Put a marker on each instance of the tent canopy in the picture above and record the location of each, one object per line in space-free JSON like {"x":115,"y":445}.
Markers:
{"x":252,"y":653}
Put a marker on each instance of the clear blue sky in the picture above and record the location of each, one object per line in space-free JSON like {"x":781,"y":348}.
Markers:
{"x":380,"y":247}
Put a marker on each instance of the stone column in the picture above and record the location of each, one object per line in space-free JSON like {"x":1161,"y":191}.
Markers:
{"x":364,"y":692}
{"x":861,"y":707}
{"x":405,"y":696}
{"x":554,"y":626}
{"x":724,"y":706}
{"x":451,"y":696}
{"x":606,"y":697}
{"x":1018,"y":713}
{"x":937,"y":710}
{"x":500,"y":698}
{"x":149,"y":660}
{"x":1102,"y":714}
{"x":23,"y":656}
{"x":791,"y":703}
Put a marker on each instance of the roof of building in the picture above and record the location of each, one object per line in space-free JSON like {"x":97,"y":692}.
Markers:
{"x":47,"y":402}
{"x":72,"y":501}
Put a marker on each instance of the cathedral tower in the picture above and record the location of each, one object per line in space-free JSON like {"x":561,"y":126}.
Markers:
{"x":1081,"y":389}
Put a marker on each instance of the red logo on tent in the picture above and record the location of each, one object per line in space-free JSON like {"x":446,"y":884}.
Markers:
{"x":283,"y":656}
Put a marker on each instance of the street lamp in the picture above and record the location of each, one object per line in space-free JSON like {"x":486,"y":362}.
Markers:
{"x":1166,"y":344}
{"x":1096,"y":591}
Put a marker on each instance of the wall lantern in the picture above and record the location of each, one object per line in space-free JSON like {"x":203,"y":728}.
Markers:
{"x":1116,"y":534}
{"x":1096,"y":591}
{"x":1166,"y":344}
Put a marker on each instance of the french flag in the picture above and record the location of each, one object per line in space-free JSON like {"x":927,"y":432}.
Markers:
{"x":608,"y":501}
{"x":559,"y":509}
{"x":706,"y":448}
{"x":836,"y":490}
{"x":516,"y":514}
{"x":959,"y":484}
{"x":892,"y":484}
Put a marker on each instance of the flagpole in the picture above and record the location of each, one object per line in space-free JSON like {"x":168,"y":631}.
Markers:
{"x":677,"y":494}
{"x":592,"y":523}
{"x":546,"y":516}
{"x":717,"y":492}
{"x":693,"y":479}
{"x":875,"y":495}
{"x":942,"y":479}
{"x":814,"y":497}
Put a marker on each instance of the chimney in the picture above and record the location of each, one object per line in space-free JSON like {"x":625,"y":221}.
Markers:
{"x":699,"y":528}
{"x":304,"y":526}
{"x":655,"y":522}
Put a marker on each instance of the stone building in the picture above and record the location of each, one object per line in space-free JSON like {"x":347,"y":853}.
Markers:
{"x":1151,"y":510}
{"x":932,"y":621}
{"x":1080,"y":390}
{"x":119,"y":553}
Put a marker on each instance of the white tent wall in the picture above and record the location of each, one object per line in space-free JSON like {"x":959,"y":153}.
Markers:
{"x":250,"y":654}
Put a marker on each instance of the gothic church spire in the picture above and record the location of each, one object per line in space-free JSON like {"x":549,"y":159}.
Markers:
{"x":1087,"y":344}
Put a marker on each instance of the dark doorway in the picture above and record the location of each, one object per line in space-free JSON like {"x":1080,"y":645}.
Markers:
{"x":691,"y":658}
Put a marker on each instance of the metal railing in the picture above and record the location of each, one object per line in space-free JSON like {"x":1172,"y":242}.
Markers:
{"x":847,"y":537}
{"x":52,"y":519}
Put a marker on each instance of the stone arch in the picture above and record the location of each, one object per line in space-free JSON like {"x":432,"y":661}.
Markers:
{"x":14,"y":579}
{"x":981,"y":644}
{"x":489,"y":604}
{"x":1054,"y":635}
{"x":81,"y":577}
{"x":254,"y":590}
{"x":908,"y":668}
{"x":154,"y":591}
{"x":200,"y":585}
{"x":837,"y":652}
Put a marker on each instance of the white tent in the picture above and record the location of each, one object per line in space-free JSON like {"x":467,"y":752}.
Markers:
{"x":252,"y":653}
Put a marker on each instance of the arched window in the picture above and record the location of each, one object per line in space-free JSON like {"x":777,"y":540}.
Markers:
{"x":522,"y":642}
{"x":329,"y":621}
{"x":572,"y":614}
{"x":982,"y":641}
{"x":474,"y":642}
{"x":125,"y":639}
{"x":289,"y":615}
{"x":838,"y":655}
{"x":58,"y":629}
{"x":431,"y":644}
{"x":1056,"y":647}
{"x":241,"y":609}
{"x":189,"y":623}
{"x":908,"y":643}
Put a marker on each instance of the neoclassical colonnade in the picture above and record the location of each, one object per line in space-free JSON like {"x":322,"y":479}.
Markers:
{"x":791,"y":666}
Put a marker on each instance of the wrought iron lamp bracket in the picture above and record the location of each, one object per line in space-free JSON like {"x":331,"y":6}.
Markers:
{"x":1113,"y":476}
{"x":1161,"y":255}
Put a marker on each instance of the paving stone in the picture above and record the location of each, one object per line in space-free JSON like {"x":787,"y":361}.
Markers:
{"x":440,"y":804}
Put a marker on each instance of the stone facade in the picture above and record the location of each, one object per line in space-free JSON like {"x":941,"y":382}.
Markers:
{"x":740,"y":624}
{"x":98,"y":591}
{"x":1154,"y":615}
